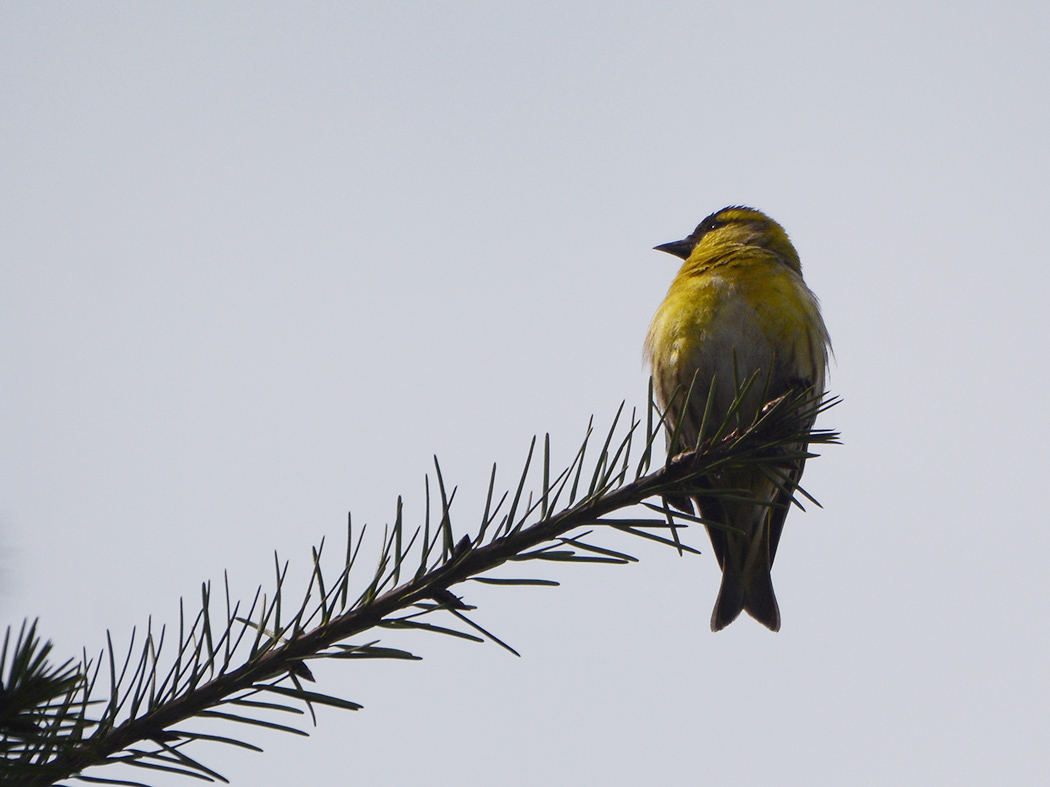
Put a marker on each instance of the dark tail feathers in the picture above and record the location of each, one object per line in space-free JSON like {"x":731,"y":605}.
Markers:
{"x":756,"y":598}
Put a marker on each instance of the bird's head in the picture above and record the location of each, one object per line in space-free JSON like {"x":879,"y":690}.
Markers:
{"x":734,"y":226}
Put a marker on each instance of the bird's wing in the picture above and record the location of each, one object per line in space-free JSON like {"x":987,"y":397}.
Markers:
{"x":781,"y":505}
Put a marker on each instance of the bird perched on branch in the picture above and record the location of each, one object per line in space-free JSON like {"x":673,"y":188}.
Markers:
{"x":738,"y":328}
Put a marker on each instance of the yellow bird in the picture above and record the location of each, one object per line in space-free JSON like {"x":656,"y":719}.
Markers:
{"x":737,"y":308}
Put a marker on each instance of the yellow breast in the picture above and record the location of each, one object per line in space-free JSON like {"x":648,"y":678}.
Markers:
{"x":744,"y":314}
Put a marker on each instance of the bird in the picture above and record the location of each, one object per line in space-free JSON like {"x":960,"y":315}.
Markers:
{"x":737,"y":310}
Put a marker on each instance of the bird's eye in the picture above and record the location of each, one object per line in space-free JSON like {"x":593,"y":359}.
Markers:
{"x":708,"y":224}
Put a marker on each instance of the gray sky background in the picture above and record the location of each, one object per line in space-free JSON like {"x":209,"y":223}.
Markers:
{"x":258,"y":263}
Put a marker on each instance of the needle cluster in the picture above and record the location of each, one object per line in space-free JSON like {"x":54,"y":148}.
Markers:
{"x":246,"y":663}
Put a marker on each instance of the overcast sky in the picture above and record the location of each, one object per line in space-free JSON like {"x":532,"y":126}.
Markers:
{"x":259,"y":262}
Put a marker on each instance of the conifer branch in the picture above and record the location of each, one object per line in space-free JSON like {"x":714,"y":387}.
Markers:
{"x":250,"y":664}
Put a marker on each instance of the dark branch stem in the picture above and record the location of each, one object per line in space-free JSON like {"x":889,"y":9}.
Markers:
{"x":469,"y":560}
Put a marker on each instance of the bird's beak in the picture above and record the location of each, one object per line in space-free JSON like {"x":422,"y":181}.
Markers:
{"x":679,"y":248}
